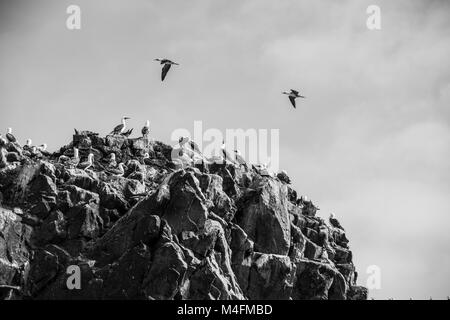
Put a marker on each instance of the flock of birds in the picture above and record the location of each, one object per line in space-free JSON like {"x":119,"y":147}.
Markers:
{"x":188,"y":150}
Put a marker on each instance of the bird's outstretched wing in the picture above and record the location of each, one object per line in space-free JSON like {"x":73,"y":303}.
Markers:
{"x":294,"y":91}
{"x":165,"y":69}
{"x":292,"y":101}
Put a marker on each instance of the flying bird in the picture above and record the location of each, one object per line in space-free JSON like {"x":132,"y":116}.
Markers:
{"x":293,"y":95}
{"x":121,"y":127}
{"x":167,"y":64}
{"x":10,"y":136}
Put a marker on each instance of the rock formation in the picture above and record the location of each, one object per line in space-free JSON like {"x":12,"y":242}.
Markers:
{"x":161,"y":231}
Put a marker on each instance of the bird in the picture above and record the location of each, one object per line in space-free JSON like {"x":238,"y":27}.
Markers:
{"x":293,"y":95}
{"x":146,"y":129}
{"x":42,"y":147}
{"x":76,"y":158}
{"x":119,"y":171}
{"x":121,"y":127}
{"x":128,"y":133}
{"x":112,"y":163}
{"x":10,"y":136}
{"x":87,"y":164}
{"x":28,"y":144}
{"x":239,"y":159}
{"x":334,"y":222}
{"x":226,"y":156}
{"x":167,"y":64}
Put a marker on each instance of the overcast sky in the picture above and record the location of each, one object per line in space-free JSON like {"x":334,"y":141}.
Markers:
{"x":371,"y":142}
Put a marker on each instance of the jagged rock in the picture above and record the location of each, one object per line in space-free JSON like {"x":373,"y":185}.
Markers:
{"x":265,"y":218}
{"x":205,"y":231}
{"x":271,"y":277}
{"x":14,"y":253}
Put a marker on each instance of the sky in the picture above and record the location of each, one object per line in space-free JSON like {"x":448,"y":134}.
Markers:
{"x":371,"y":142}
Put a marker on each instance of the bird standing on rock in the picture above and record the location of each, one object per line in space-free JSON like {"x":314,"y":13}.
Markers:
{"x":167,"y":64}
{"x":334,"y":222}
{"x":10,"y":136}
{"x":121,"y":127}
{"x":87,"y":164}
{"x":146,"y":129}
{"x":293,"y":95}
{"x":119,"y":171}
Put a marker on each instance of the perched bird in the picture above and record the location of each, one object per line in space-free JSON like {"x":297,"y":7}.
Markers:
{"x":28,"y":144}
{"x":119,"y":171}
{"x":76,"y":158}
{"x":226,"y":156}
{"x":121,"y":127}
{"x":167,"y":64}
{"x":112,"y":163}
{"x":42,"y":147}
{"x":128,"y":133}
{"x":10,"y":136}
{"x":87,"y":164}
{"x":334,"y":222}
{"x":146,"y":129}
{"x":77,"y":133}
{"x":70,"y":161}
{"x":239,"y":159}
{"x":292,"y":96}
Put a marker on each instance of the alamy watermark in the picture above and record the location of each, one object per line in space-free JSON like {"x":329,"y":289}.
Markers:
{"x":255,"y":146}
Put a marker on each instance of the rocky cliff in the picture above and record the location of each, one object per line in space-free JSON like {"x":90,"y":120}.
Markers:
{"x":160,"y":230}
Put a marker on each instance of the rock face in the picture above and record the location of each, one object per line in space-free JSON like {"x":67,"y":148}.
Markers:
{"x":161,"y":232}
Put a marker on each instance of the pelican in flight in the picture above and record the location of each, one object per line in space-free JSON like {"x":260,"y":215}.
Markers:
{"x":293,"y":95}
{"x":121,"y":127}
{"x":87,"y":164}
{"x":10,"y":136}
{"x":167,"y":64}
{"x":146,"y":129}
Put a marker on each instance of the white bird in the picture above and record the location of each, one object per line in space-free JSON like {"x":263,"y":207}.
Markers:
{"x":87,"y":164}
{"x":167,"y":64}
{"x":119,"y":171}
{"x":42,"y":147}
{"x":226,"y":156}
{"x":239,"y":159}
{"x":76,"y":158}
{"x":146,"y":129}
{"x":112,"y":163}
{"x":293,"y":95}
{"x":10,"y":136}
{"x":28,"y":144}
{"x":121,"y":127}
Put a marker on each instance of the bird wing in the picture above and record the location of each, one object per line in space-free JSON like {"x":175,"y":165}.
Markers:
{"x":292,"y":101}
{"x":294,"y":91}
{"x":10,"y":137}
{"x":118,"y":128}
{"x":165,"y":69}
